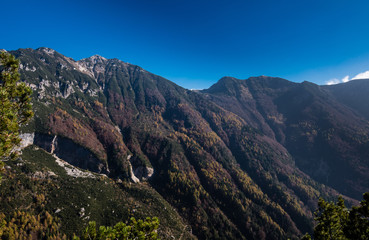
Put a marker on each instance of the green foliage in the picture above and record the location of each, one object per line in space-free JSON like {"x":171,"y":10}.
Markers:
{"x":306,"y":237}
{"x":141,"y":229}
{"x":331,"y":218}
{"x":357,"y":226}
{"x":23,"y":225}
{"x":335,"y":221}
{"x":30,"y":184}
{"x":15,"y":107}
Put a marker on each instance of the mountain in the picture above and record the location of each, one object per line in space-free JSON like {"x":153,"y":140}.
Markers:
{"x":235,"y":161}
{"x":324,"y":128}
{"x":353,"y":94}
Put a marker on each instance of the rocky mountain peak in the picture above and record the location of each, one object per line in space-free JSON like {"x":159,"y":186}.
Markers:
{"x":97,"y":59}
{"x":46,"y":50}
{"x":94,"y":60}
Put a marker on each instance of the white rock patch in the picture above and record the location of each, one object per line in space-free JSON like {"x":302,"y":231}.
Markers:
{"x":133,"y":176}
{"x":72,"y":170}
{"x":26,"y":140}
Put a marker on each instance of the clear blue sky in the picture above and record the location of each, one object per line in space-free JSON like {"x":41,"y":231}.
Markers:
{"x":194,"y":43}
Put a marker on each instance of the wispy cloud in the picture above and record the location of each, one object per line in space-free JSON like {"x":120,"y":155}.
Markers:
{"x":332,"y":81}
{"x":363,"y":75}
{"x":337,"y":81}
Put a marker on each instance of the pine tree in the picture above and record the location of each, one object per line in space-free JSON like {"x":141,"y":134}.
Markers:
{"x":15,"y":108}
{"x":335,"y":221}
{"x":141,"y":229}
{"x":331,"y":218}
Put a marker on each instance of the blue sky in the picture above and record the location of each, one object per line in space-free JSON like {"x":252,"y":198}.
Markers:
{"x":195,"y":43}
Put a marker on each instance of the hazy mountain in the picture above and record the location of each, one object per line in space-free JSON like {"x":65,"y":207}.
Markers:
{"x":228,"y":159}
{"x":353,"y":94}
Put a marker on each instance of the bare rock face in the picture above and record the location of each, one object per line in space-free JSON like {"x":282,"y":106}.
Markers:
{"x":143,"y":173}
{"x":150,"y":172}
{"x":133,"y":176}
{"x":70,"y":152}
{"x":26,"y":140}
{"x":139,"y":173}
{"x":68,"y":91}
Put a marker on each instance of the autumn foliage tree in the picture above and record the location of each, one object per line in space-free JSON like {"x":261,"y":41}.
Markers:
{"x":23,"y":225}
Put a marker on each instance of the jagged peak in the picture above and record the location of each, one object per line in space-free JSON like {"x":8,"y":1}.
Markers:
{"x":97,"y":56}
{"x":98,"y":59}
{"x":46,"y":50}
{"x":95,"y":59}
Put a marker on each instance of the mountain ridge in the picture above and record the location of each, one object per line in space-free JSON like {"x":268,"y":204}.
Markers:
{"x":222,"y":159}
{"x":279,"y":111}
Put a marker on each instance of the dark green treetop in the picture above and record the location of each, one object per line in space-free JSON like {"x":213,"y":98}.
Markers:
{"x":15,"y":108}
{"x":141,"y":230}
{"x":335,"y":221}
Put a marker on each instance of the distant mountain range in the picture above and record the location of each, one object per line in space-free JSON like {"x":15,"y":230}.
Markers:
{"x":244,"y":159}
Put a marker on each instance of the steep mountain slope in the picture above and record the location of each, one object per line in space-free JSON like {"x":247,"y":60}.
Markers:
{"x":353,"y":94}
{"x":321,"y":127}
{"x":41,"y":182}
{"x":225,"y":177}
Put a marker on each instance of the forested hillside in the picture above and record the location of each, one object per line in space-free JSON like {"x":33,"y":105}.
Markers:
{"x":244,"y":159}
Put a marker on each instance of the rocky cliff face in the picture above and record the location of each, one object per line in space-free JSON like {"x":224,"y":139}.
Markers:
{"x":73,"y":153}
{"x":224,"y":158}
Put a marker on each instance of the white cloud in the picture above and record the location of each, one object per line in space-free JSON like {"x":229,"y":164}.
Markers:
{"x":363,"y":75}
{"x":346,"y":79}
{"x":337,"y":81}
{"x":333,"y":81}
